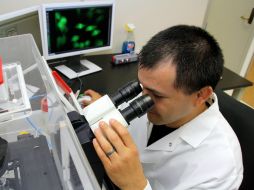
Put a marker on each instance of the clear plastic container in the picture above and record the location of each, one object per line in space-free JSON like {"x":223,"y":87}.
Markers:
{"x":14,"y":101}
{"x":38,"y":146}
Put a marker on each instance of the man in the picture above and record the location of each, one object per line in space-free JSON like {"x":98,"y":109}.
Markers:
{"x":187,"y":143}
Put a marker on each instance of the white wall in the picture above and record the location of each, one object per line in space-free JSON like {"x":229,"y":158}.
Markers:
{"x":149,"y":16}
{"x":233,"y":34}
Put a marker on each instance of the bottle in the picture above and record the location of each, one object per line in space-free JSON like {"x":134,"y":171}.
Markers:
{"x":129,"y":44}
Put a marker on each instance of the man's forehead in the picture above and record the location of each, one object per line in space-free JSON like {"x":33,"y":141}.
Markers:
{"x":160,"y":79}
{"x":164,"y":69}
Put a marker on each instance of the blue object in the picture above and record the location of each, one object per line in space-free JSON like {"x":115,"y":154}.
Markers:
{"x":128,"y":46}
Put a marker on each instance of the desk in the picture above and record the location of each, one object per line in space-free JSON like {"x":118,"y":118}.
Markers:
{"x":112,"y":77}
{"x":231,"y":80}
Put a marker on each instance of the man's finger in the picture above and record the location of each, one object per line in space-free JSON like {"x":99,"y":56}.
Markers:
{"x":94,"y":95}
{"x":101,"y":154}
{"x":122,"y":132}
{"x":113,"y":137}
{"x":86,"y":102}
{"x":105,"y":145}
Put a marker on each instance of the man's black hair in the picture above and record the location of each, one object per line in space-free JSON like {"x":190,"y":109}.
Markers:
{"x":196,"y":54}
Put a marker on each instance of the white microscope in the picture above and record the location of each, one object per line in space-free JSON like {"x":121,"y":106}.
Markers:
{"x":104,"y":109}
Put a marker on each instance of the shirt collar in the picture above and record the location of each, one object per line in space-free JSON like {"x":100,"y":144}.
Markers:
{"x":193,"y":132}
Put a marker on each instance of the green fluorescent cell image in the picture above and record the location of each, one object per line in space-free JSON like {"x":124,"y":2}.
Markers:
{"x":100,"y":19}
{"x":99,"y":42}
{"x":62,"y":24}
{"x":57,"y":16}
{"x":96,"y":32}
{"x":80,"y":26}
{"x":75,"y":38}
{"x":78,"y":12}
{"x":87,"y":43}
{"x":80,"y":45}
{"x":61,"y":40}
{"x":90,"y":13}
{"x":76,"y":45}
{"x":90,"y":28}
{"x":99,"y":11}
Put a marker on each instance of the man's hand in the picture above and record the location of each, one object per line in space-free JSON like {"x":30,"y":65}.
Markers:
{"x":119,"y":156}
{"x":94,"y":96}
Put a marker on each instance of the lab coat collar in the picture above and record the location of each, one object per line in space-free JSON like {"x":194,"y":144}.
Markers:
{"x":167,"y":143}
{"x":193,"y":132}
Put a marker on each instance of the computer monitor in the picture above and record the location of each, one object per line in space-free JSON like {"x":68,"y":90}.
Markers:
{"x":73,"y":29}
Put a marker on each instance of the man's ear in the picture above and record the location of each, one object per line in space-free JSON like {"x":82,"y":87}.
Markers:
{"x":203,"y":95}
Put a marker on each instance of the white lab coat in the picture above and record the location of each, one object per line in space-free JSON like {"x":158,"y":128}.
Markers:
{"x":202,"y":154}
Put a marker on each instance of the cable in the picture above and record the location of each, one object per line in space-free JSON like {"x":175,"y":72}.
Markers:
{"x":81,"y":84}
{"x":37,"y":129}
{"x":72,"y":82}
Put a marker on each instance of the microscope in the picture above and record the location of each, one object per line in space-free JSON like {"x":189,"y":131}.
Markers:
{"x":104,"y":109}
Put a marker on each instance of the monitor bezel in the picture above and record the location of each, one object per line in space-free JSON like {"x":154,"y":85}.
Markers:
{"x":43,"y":27}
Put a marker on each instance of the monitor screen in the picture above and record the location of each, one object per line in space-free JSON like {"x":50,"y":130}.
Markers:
{"x":76,"y":28}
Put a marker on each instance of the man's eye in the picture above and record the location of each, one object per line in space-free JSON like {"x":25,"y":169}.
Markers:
{"x":157,"y":96}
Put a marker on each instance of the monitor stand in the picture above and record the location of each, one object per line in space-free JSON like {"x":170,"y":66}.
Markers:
{"x":74,"y":67}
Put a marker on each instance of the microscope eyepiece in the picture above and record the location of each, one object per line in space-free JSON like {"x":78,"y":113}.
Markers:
{"x":137,"y":108}
{"x":126,"y":93}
